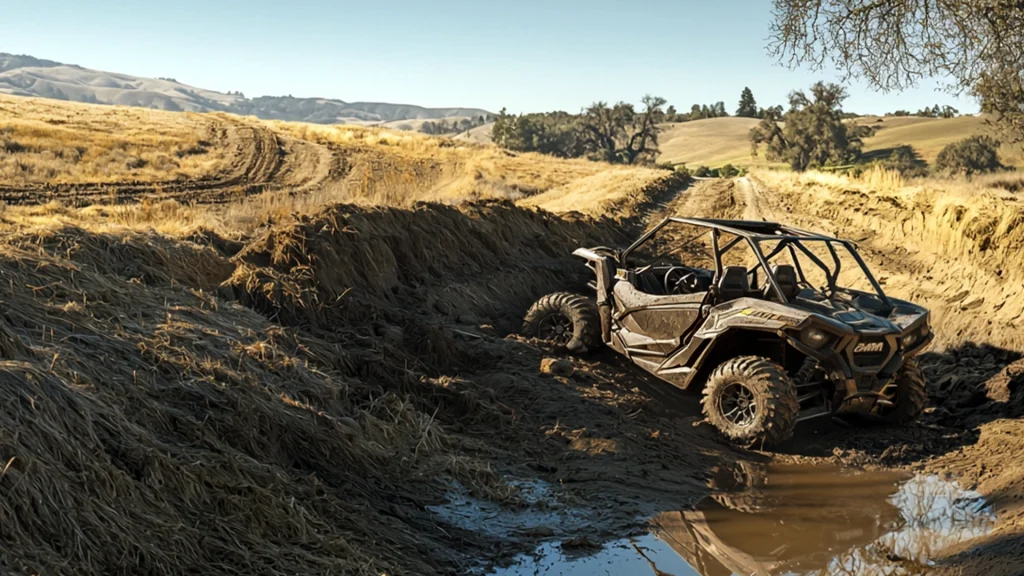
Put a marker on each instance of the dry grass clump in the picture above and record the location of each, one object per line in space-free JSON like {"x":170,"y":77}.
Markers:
{"x":44,"y":141}
{"x":344,"y":263}
{"x":141,"y":406}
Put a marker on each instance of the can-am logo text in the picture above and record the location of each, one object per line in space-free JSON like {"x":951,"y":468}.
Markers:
{"x":868,"y":347}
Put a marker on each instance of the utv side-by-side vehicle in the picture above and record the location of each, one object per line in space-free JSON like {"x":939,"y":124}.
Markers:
{"x":755,"y":314}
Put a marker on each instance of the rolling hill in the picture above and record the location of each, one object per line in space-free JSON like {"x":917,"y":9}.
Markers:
{"x":718,"y":141}
{"x":712,"y":142}
{"x":22,"y":75}
{"x":481,"y":134}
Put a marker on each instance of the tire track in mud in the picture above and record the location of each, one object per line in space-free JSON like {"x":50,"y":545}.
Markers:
{"x":258,"y":160}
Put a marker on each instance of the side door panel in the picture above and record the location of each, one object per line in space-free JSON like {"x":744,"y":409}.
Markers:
{"x":650,"y":328}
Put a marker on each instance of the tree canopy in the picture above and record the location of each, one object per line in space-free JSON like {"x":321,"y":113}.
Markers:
{"x":894,"y":44}
{"x":554,"y":133}
{"x":613,"y":133}
{"x":972,"y":155}
{"x":814,"y":133}
{"x":620,"y":135}
{"x":748,"y":106}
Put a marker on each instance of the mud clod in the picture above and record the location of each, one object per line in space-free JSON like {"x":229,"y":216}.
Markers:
{"x":557,"y":367}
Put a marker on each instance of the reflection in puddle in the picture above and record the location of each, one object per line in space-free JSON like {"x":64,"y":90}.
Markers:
{"x":791,"y":520}
{"x":642,"y":555}
{"x":541,"y":513}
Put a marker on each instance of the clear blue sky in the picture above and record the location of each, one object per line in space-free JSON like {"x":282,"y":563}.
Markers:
{"x":526,"y":55}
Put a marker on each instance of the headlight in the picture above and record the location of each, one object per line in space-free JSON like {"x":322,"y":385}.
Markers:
{"x":914,"y":337}
{"x":814,"y":337}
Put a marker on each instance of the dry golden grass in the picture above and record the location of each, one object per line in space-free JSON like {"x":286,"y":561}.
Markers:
{"x":46,"y":141}
{"x":713,"y":142}
{"x":403,"y":167}
{"x":929,"y":136}
{"x":50,"y":142}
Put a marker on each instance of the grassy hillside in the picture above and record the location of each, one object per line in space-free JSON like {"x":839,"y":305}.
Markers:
{"x":51,"y":142}
{"x":81,"y":154}
{"x":718,"y":141}
{"x":480,"y":134}
{"x":929,"y":135}
{"x":712,"y":142}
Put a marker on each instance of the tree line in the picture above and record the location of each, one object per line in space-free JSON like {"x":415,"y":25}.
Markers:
{"x":929,"y":112}
{"x":619,"y":133}
{"x":455,"y":126}
{"x":814,"y":133}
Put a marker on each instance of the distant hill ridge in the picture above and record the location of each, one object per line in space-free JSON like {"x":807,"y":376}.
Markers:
{"x":22,"y":75}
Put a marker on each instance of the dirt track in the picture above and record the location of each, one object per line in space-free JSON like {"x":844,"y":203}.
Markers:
{"x":258,"y":159}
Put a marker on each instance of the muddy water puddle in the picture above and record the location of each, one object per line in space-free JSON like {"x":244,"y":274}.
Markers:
{"x":774,"y":519}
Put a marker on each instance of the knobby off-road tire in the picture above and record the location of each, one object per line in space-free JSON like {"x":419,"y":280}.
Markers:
{"x":911,"y":395}
{"x":568,"y":320}
{"x":752,"y":401}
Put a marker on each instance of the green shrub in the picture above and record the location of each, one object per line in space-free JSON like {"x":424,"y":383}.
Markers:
{"x":904,"y":159}
{"x":728,"y":171}
{"x":973,"y":155}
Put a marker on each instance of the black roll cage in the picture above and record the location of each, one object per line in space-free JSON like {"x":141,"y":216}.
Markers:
{"x":757,"y":232}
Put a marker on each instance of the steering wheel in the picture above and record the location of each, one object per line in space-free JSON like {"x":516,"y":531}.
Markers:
{"x":686,"y":283}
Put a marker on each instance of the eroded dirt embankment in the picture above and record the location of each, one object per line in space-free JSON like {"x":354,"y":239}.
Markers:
{"x":294,"y":404}
{"x":958,"y":255}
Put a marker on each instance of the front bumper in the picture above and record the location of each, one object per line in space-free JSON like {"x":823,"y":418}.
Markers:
{"x":861,"y":366}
